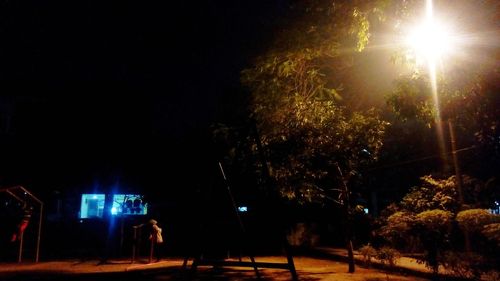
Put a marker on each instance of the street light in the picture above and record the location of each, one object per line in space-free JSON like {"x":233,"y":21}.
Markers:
{"x":430,"y":42}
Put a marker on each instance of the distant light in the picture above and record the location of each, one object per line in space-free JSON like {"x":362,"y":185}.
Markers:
{"x":366,"y":210}
{"x":94,"y":197}
{"x":114,"y":211}
{"x":242,"y":209}
{"x":496,"y":203}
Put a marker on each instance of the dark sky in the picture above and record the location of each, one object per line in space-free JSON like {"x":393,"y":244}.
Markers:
{"x":105,"y":90}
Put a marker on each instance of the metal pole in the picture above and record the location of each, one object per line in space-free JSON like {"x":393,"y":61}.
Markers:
{"x":134,"y":241}
{"x":151,"y":250}
{"x":8,"y":190}
{"x":20,"y":256}
{"x":459,"y":180}
{"x":242,"y":227}
{"x":350,"y":250}
{"x":458,"y":173}
{"x":39,"y":233}
{"x":122,"y":226}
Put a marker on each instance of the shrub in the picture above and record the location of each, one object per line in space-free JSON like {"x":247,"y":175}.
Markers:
{"x":435,"y":220}
{"x":368,"y":252}
{"x":492,"y":275}
{"x":397,"y":229}
{"x":463,"y":265}
{"x":302,"y":235}
{"x":388,"y":256}
{"x":474,"y":219}
{"x":492,"y":232}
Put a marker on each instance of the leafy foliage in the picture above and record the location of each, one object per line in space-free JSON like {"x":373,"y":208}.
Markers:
{"x":464,"y":265}
{"x":428,"y":217}
{"x":434,"y":220}
{"x":368,"y":253}
{"x":492,"y":232}
{"x":432,"y":194}
{"x":475,"y":219}
{"x":467,"y":88}
{"x":443,"y":194}
{"x":296,"y":101}
{"x":388,"y":256}
{"x":398,"y":227}
{"x":411,"y":99}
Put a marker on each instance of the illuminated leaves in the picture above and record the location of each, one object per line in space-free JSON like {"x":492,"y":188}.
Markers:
{"x":476,"y":219}
{"x":296,"y":98}
{"x":434,"y":220}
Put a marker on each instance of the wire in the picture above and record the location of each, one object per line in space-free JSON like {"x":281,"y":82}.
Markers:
{"x":418,"y":159}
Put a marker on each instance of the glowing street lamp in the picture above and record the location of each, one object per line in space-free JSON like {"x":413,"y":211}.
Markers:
{"x":430,"y":42}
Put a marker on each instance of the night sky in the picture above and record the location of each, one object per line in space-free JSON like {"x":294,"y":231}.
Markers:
{"x":107,"y":91}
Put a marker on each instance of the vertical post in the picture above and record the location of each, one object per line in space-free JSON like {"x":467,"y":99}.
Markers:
{"x":242,"y":227}
{"x":151,"y":250}
{"x":139,"y":241}
{"x":39,"y":233}
{"x":122,"y":230}
{"x":20,"y":255}
{"x":458,"y":176}
{"x":350,"y":251}
{"x":134,"y":244}
{"x":291,"y":264}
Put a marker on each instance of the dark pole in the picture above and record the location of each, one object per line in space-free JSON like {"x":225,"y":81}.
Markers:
{"x":458,"y":176}
{"x":20,"y":255}
{"x":458,"y":173}
{"x":348,"y":231}
{"x":240,"y":222}
{"x":151,"y":249}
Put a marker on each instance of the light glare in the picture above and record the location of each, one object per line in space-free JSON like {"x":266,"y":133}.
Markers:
{"x":430,"y":42}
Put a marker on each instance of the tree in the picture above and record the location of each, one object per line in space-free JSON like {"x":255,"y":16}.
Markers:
{"x":467,"y":82}
{"x":295,"y":89}
{"x":428,"y":217}
{"x":296,"y":100}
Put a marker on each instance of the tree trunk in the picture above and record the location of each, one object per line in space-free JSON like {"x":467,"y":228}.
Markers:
{"x":350,"y":255}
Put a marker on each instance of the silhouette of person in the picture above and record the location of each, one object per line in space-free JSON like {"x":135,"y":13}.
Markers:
{"x":137,"y":205}
{"x":156,"y":240}
{"x":23,"y":224}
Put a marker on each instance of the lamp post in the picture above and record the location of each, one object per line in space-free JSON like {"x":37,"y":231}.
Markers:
{"x":430,"y":42}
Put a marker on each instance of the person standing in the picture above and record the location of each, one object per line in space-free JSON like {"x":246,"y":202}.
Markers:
{"x":156,"y":241}
{"x":23,"y":224}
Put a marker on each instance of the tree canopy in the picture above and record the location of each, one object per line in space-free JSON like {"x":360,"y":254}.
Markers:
{"x":297,"y":91}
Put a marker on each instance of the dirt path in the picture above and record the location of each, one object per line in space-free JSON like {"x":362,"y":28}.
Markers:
{"x":308,"y":269}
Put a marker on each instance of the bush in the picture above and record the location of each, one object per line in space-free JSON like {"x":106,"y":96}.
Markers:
{"x":435,"y":220}
{"x":492,"y":232}
{"x":474,"y":219}
{"x":368,"y":252}
{"x":397,"y":229}
{"x":492,"y":275}
{"x":302,"y":235}
{"x":464,"y":265}
{"x":388,"y":256}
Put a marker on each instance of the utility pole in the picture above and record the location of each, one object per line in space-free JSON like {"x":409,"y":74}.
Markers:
{"x":458,"y":176}
{"x":348,"y":225}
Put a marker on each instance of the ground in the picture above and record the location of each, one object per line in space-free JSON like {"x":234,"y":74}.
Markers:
{"x":330,"y":266}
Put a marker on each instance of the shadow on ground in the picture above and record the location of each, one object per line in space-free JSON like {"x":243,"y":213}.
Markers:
{"x":321,"y":254}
